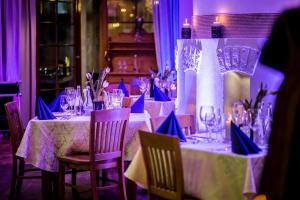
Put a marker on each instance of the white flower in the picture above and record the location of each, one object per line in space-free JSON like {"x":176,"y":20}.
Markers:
{"x":105,"y":84}
{"x":89,"y":76}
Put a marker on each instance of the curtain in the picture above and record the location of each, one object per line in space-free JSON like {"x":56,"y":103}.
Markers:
{"x":166,"y":31}
{"x":18,"y":50}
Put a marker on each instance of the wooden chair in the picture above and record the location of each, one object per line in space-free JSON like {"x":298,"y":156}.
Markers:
{"x":105,"y":150}
{"x":18,"y":164}
{"x":186,"y":121}
{"x":163,"y":163}
{"x":126,"y":102}
{"x":260,"y":197}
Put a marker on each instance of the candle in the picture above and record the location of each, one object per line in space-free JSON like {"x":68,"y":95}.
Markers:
{"x":186,"y":30}
{"x":186,"y":24}
{"x":217,"y":29}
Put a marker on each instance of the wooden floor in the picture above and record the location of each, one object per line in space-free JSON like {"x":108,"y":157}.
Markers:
{"x":31,"y":189}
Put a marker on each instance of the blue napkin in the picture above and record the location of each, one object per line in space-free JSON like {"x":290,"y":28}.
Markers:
{"x":241,"y":143}
{"x":171,"y":127}
{"x":159,"y":95}
{"x":123,"y":87}
{"x":43,"y":111}
{"x":138,"y":106}
{"x":54,"y":106}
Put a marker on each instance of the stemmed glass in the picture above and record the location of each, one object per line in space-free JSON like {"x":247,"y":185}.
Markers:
{"x":117,"y":98}
{"x":143,"y":84}
{"x":64,"y":103}
{"x":247,"y":122}
{"x":218,"y":126}
{"x":207,"y":117}
{"x":71,"y":95}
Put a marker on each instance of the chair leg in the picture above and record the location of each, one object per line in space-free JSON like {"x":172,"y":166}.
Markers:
{"x":94,"y":184}
{"x":74,"y":191}
{"x":122,"y":179}
{"x":20,"y":180}
{"x":13,"y":179}
{"x":61,"y":177}
{"x":97,"y":177}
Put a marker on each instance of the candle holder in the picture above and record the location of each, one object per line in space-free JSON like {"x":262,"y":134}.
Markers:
{"x":186,"y":31}
{"x":217,"y":29}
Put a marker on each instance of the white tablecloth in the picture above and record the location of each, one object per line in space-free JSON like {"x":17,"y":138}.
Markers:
{"x":157,"y":108}
{"x":44,"y":140}
{"x":210,"y":172}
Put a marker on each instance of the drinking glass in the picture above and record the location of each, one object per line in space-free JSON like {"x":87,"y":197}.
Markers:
{"x":117,"y":98}
{"x":220,"y":137}
{"x":237,"y":112}
{"x":247,"y":121}
{"x":206,"y":113}
{"x":71,"y":95}
{"x":143,"y":84}
{"x":210,"y":123}
{"x":64,"y":103}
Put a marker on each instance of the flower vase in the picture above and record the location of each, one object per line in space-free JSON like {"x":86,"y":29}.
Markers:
{"x":98,"y":103}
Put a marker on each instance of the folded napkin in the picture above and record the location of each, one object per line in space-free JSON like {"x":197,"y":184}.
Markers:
{"x":54,"y":106}
{"x":171,"y":127}
{"x":241,"y":143}
{"x":159,"y":95}
{"x":138,"y":106}
{"x":123,"y":88}
{"x":43,"y":111}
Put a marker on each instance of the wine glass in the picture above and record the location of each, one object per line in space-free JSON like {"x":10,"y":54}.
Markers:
{"x":71,"y":95}
{"x":117,"y":98}
{"x":64,"y":103}
{"x":206,"y":113}
{"x":247,"y":121}
{"x":143,"y":85}
{"x":218,"y":126}
{"x":210,"y":123}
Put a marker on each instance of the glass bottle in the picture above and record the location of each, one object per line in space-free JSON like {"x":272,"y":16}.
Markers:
{"x":268,"y":121}
{"x":151,"y":86}
{"x":88,"y":104}
{"x":78,"y":102}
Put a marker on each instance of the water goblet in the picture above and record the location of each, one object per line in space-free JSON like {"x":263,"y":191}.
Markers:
{"x":143,"y":84}
{"x":204,"y":110}
{"x":210,"y":123}
{"x":64,"y":103}
{"x":220,"y":137}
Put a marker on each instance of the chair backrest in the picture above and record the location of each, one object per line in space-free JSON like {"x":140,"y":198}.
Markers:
{"x":126,"y":102}
{"x":107,"y":133}
{"x":15,"y":124}
{"x":163,"y":163}
{"x":186,"y":121}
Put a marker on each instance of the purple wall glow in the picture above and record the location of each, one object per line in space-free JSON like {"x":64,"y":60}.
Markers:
{"x":208,"y":7}
{"x":185,"y":11}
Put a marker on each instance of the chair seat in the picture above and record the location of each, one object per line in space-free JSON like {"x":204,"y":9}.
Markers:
{"x":76,"y":159}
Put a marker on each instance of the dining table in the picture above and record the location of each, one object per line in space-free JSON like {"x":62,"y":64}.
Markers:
{"x":156,"y":108}
{"x":210,"y":170}
{"x":45,"y":140}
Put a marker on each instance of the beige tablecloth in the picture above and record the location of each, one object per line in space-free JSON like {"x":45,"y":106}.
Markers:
{"x":157,"y":108}
{"x":44,"y":140}
{"x":210,"y":172}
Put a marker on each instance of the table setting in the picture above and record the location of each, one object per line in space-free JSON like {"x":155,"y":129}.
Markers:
{"x":238,"y":162}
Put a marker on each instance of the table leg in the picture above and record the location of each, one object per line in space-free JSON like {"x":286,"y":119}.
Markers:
{"x":131,"y":189}
{"x":49,"y":185}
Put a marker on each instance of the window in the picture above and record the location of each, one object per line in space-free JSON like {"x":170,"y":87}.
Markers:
{"x":58,"y":55}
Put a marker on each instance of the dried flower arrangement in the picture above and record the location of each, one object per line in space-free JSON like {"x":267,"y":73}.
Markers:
{"x":165,"y":76}
{"x":262,"y":92}
{"x":98,"y":87}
